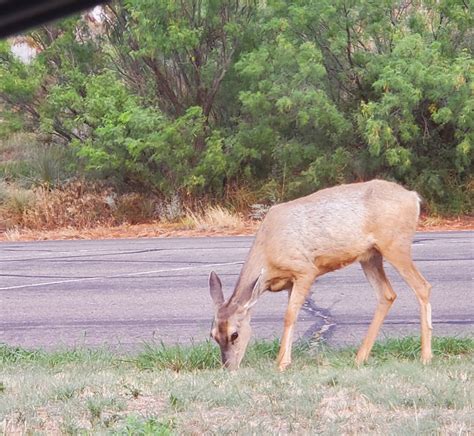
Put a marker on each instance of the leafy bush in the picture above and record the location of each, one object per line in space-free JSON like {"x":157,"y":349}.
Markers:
{"x":186,"y":98}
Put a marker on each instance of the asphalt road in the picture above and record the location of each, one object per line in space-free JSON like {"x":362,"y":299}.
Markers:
{"x":124,"y":293}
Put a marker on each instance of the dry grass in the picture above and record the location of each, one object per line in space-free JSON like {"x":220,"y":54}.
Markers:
{"x":12,"y":234}
{"x":77,"y":205}
{"x":150,"y":230}
{"x":435,"y":223}
{"x":81,"y":210}
{"x":17,"y":147}
{"x":214,"y":218}
{"x":97,"y":392}
{"x":86,"y":211}
{"x":74,"y":205}
{"x":165,"y":229}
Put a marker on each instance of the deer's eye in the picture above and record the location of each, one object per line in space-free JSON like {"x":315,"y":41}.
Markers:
{"x":234,"y":336}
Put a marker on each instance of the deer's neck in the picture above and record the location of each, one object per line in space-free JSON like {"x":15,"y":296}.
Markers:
{"x":250,"y":272}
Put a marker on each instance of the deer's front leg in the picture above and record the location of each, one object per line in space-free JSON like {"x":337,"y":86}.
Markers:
{"x":296,"y":299}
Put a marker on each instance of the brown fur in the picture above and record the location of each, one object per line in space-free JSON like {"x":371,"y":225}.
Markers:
{"x":300,"y":240}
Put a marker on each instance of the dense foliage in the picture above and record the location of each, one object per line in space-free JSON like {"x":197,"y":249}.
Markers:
{"x":196,"y":96}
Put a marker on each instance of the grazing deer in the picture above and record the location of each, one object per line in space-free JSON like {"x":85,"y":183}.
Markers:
{"x":303,"y":239}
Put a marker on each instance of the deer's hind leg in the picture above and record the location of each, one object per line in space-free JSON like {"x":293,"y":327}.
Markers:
{"x":374,"y":271}
{"x":400,"y":258}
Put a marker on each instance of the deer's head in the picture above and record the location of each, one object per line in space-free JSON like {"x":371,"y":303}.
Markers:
{"x":231,"y":328}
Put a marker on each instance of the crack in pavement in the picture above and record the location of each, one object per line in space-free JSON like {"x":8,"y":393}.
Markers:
{"x":322,"y":329}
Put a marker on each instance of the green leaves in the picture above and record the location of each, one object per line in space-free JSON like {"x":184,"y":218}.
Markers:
{"x":285,"y":92}
{"x":284,"y":96}
{"x":419,"y":110}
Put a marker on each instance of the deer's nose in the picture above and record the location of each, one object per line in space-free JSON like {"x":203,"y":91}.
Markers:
{"x":229,"y":363}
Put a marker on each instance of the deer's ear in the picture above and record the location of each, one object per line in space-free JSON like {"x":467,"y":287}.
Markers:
{"x":257,"y":290}
{"x":215,"y":288}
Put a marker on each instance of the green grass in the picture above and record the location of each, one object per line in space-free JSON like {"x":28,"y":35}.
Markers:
{"x":164,"y":390}
{"x":178,"y":358}
{"x":17,"y":355}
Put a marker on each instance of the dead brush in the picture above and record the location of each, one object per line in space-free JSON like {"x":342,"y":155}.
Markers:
{"x":214,"y":218}
{"x":14,"y":202}
{"x":134,"y":208}
{"x":76,"y":205}
{"x":16,"y":147}
{"x":241,"y":197}
{"x":170,"y":210}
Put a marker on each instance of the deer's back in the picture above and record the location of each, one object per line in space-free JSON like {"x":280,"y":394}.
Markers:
{"x":335,"y":226}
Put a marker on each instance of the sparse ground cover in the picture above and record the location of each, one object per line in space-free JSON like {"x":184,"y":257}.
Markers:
{"x":85,"y":211}
{"x":186,"y":228}
{"x":183,"y":391}
{"x":39,"y":202}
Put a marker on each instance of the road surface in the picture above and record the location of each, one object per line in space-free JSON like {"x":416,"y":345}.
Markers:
{"x":123,"y":293}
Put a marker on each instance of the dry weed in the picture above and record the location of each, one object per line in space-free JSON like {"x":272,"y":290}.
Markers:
{"x":134,"y":208}
{"x":241,"y":197}
{"x":429,"y":223}
{"x":77,"y":205}
{"x":14,"y":202}
{"x":16,"y":147}
{"x":347,"y":406}
{"x":170,"y":210}
{"x":13,"y":234}
{"x":84,"y":210}
{"x":213,"y":218}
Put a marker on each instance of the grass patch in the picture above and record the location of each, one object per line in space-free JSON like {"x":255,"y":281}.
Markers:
{"x":409,"y":348}
{"x":399,"y":349}
{"x":206,"y":355}
{"x":81,"y":204}
{"x":167,"y":390}
{"x":17,"y":355}
{"x":214,"y":217}
{"x":147,"y":426}
{"x":178,"y":358}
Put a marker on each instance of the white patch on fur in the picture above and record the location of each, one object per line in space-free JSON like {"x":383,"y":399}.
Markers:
{"x":418,"y":204}
{"x":428,"y":316}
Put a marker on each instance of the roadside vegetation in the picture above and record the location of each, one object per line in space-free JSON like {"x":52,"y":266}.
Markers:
{"x":159,"y":110}
{"x":183,"y":390}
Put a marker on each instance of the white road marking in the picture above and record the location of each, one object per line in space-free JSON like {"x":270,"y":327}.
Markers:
{"x":141,"y":273}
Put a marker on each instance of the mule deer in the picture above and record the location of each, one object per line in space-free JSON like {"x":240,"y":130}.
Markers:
{"x":305,"y":238}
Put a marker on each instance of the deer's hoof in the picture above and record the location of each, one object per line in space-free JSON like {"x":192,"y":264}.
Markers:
{"x":360,"y":359}
{"x":426,"y":360}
